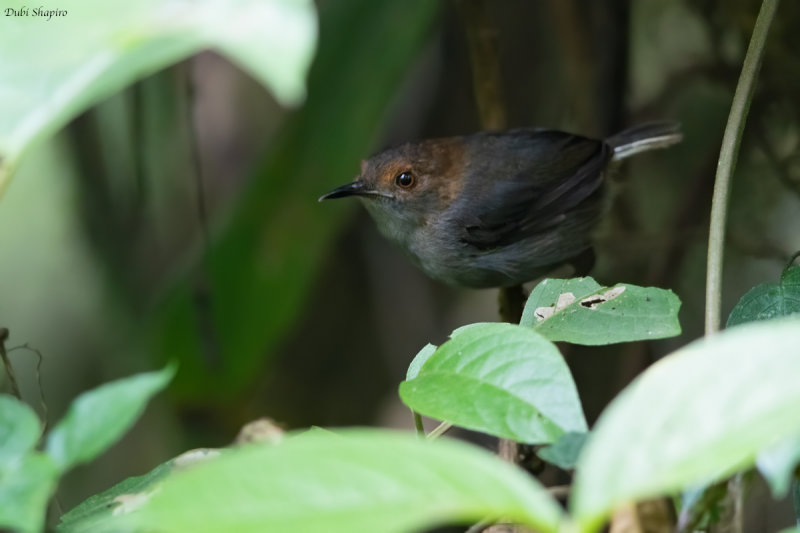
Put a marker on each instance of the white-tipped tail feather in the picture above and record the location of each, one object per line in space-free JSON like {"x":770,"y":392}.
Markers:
{"x":645,"y":137}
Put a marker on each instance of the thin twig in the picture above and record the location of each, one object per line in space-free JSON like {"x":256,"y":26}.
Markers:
{"x":418,"y":424}
{"x":486,"y":80}
{"x":736,"y":489}
{"x":729,"y":152}
{"x":440,"y":430}
{"x":559,"y":491}
{"x":42,"y":400}
{"x":12,"y":378}
{"x":727,"y":162}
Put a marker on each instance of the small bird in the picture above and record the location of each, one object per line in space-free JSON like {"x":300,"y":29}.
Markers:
{"x":496,"y":209}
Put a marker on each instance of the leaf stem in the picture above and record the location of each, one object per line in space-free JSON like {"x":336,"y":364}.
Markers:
{"x":418,"y":424}
{"x":440,"y":430}
{"x":39,"y":360}
{"x":12,"y":378}
{"x":727,"y":161}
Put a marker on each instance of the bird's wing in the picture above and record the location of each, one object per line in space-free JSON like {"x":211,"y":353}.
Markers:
{"x":554,"y":174}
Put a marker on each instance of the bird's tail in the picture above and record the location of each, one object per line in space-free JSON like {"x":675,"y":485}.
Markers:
{"x":644,"y":137}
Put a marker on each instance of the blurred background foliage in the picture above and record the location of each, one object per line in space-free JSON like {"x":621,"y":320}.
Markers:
{"x":278,"y":306}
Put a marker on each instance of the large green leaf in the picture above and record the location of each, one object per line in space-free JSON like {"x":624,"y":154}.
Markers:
{"x":261,"y":267}
{"x":769,"y":300}
{"x":96,"y":419}
{"x":26,"y":484}
{"x":55,"y":68}
{"x":502,"y":379}
{"x":581,"y":311}
{"x":677,"y":426}
{"x":362,"y":480}
{"x":20,"y":428}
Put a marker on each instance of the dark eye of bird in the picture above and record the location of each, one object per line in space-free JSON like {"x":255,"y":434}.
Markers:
{"x":404,"y":180}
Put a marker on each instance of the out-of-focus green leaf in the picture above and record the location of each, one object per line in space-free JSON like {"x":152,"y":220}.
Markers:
{"x":26,"y":484}
{"x":96,"y":419}
{"x":20,"y":428}
{"x":769,"y":300}
{"x":581,"y":311}
{"x":58,"y":64}
{"x":502,"y":379}
{"x":261,"y":266}
{"x":362,"y":480}
{"x":763,"y":302}
{"x":778,"y":462}
{"x":565,"y":451}
{"x":96,"y":514}
{"x":27,"y":478}
{"x":673,"y":427}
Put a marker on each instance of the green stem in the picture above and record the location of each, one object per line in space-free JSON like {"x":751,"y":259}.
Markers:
{"x":439,"y":430}
{"x":727,"y":161}
{"x":12,"y":378}
{"x":418,"y":424}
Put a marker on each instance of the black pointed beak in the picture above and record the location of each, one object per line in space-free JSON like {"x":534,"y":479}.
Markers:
{"x":351,"y":189}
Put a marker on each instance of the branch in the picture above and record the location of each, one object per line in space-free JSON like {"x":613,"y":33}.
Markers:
{"x":12,"y":378}
{"x":486,"y":81}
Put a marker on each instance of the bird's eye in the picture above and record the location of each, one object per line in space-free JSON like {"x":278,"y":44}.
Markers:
{"x":405,"y":180}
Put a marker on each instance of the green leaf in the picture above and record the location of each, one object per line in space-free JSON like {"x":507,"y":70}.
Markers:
{"x":501,"y":379}
{"x":419,"y":359}
{"x":26,"y":484}
{"x":769,"y":300}
{"x":20,"y":428}
{"x":777,"y":464}
{"x":101,"y":47}
{"x":674,"y":427}
{"x":27,"y":478}
{"x":96,"y":419}
{"x":97,"y":514}
{"x":362,"y":480}
{"x":565,"y":451}
{"x":581,"y":311}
